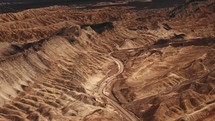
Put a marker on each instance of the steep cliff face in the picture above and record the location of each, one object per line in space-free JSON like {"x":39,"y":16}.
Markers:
{"x":54,"y":59}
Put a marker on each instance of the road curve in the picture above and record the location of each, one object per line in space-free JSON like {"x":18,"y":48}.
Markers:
{"x":107,"y":82}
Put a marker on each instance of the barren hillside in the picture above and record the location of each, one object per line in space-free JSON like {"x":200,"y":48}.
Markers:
{"x":109,"y":62}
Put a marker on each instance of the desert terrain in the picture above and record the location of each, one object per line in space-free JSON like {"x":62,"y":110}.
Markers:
{"x":107,"y":61}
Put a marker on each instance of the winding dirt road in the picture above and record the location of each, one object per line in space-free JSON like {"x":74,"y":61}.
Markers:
{"x":107,"y":83}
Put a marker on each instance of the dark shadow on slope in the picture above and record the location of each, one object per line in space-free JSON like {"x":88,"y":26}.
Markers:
{"x":36,"y":46}
{"x":194,"y":42}
{"x":183,"y":43}
{"x":99,"y":28}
